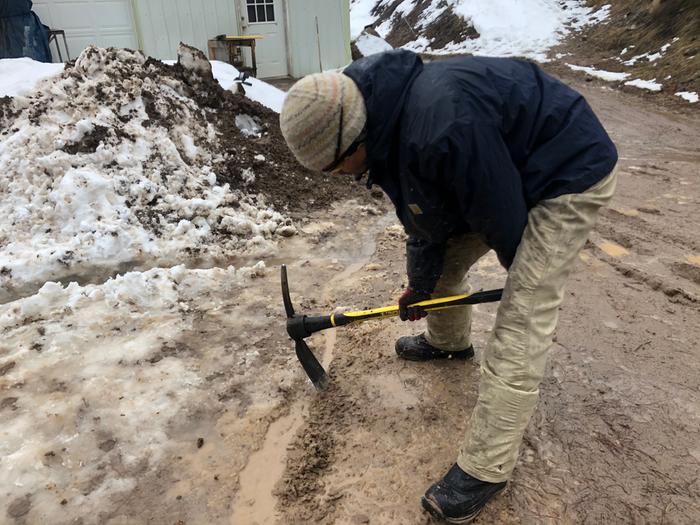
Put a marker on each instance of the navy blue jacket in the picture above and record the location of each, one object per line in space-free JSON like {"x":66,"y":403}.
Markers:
{"x":470,"y":145}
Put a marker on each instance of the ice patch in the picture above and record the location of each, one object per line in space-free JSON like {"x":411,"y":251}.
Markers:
{"x":248,"y":126}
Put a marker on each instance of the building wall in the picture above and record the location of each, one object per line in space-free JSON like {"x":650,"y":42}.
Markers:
{"x":158,"y":26}
{"x":303,"y":39}
{"x":101,"y":22}
{"x":163,"y":24}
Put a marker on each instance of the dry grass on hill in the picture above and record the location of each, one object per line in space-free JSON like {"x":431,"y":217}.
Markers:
{"x":648,"y":26}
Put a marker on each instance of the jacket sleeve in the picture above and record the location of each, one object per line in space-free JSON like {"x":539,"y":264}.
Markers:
{"x":424,"y":263}
{"x":487,"y":186}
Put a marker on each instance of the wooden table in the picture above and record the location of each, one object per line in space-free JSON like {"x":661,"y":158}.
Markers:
{"x":232,"y":44}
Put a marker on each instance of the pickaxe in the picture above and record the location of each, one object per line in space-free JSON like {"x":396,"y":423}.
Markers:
{"x":299,"y":327}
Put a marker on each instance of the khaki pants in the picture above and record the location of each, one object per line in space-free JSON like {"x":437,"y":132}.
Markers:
{"x":513,"y":363}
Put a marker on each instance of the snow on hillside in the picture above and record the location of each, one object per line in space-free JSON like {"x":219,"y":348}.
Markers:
{"x":526,"y":28}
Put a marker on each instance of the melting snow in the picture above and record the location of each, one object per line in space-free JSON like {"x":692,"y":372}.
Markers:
{"x":609,"y":76}
{"x":106,"y":166}
{"x":94,"y":378}
{"x":690,"y":96}
{"x":651,"y":85}
{"x":259,"y":91}
{"x":361,"y":16}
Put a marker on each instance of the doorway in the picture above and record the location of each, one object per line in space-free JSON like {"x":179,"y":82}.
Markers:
{"x":266,"y":18}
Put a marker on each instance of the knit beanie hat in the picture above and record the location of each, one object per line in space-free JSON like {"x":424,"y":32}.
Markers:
{"x":311,"y":117}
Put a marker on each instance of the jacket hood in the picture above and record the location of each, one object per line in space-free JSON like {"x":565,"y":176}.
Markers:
{"x":383,"y":80}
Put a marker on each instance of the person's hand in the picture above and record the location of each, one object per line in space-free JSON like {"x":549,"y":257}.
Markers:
{"x":411,"y":296}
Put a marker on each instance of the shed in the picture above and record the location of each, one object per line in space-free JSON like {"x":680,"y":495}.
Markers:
{"x":298,"y":36}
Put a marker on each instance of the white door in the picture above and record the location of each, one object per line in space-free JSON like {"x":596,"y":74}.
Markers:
{"x":266,"y":18}
{"x":101,"y":22}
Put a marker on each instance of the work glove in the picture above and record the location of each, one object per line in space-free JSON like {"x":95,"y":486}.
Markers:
{"x":411,"y":296}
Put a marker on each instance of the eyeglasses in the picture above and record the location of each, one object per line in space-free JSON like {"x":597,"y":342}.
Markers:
{"x":334,"y":167}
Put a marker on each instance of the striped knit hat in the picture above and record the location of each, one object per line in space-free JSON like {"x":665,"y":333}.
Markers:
{"x":311,"y":118}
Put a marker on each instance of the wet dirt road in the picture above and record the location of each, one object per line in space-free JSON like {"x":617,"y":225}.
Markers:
{"x":615,"y":436}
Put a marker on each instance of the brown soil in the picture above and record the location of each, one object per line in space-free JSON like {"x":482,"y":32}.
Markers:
{"x":6,"y":112}
{"x":90,"y":142}
{"x":449,"y":27}
{"x":287,"y":184}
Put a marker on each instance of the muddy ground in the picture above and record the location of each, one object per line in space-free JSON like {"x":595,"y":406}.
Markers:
{"x":615,"y":436}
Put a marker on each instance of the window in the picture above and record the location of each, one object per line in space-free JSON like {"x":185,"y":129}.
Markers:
{"x":261,"y":11}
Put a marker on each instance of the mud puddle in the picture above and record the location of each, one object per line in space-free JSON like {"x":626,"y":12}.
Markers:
{"x":256,"y":503}
{"x":343,"y":254}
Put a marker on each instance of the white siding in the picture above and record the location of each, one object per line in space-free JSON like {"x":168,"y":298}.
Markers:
{"x":163,"y":24}
{"x":333,"y":33}
{"x":101,"y":22}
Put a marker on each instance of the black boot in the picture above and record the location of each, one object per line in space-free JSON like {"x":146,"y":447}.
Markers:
{"x":417,"y":348}
{"x":459,"y":497}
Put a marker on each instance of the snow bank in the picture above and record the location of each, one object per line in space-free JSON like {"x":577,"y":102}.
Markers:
{"x":259,"y":91}
{"x":94,"y":380}
{"x":527,"y":28}
{"x":20,"y":75}
{"x":112,"y":165}
{"x":608,"y":76}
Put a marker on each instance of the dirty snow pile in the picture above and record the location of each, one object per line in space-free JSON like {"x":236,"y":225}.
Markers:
{"x":112,"y":165}
{"x":526,"y":28}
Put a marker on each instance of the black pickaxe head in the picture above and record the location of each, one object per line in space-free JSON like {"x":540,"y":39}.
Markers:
{"x":297,"y":331}
{"x":299,"y":327}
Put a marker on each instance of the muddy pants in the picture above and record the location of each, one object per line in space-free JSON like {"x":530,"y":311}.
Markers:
{"x":513,"y":363}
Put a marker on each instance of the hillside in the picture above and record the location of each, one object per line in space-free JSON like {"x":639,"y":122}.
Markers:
{"x":645,"y":47}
